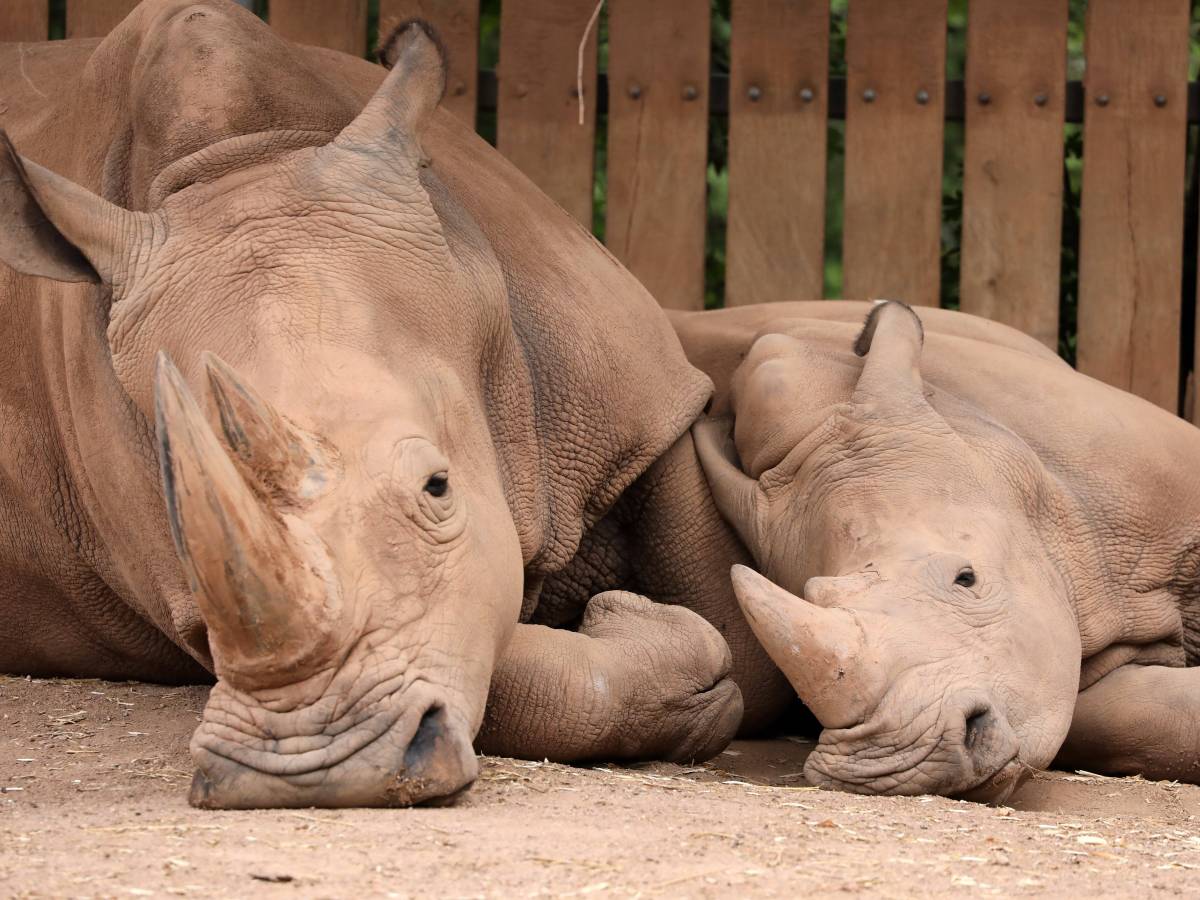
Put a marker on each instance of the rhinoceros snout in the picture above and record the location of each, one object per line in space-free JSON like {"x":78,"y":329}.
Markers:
{"x":970,"y":751}
{"x":423,"y":756}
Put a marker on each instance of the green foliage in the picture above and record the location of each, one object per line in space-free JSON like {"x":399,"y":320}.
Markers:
{"x":718,"y":175}
{"x":58,"y":19}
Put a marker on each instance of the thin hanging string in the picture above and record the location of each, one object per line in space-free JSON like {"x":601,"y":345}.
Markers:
{"x":583,"y":43}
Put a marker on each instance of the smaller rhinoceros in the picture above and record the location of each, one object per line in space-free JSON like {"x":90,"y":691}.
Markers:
{"x":974,"y":558}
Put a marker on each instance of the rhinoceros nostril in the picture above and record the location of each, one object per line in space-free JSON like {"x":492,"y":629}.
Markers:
{"x":433,"y":724}
{"x":977,"y":722}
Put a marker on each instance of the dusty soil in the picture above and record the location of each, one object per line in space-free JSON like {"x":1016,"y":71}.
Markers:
{"x":94,"y":775}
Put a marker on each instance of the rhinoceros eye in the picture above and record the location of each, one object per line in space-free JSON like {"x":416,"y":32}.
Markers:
{"x":437,"y":485}
{"x":965,"y":578}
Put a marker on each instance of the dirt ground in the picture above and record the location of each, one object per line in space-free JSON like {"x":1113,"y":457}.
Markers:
{"x":94,"y":776}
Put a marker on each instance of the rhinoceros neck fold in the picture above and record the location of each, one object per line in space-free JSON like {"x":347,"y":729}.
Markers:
{"x":227,"y":156}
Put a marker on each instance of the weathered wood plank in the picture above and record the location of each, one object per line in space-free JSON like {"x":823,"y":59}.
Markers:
{"x":24,"y":20}
{"x":537,"y":120}
{"x":457,"y":24}
{"x":96,"y":18}
{"x":1131,"y":240}
{"x":896,"y":65}
{"x":336,"y":24}
{"x":1012,"y":181}
{"x":778,"y":101}
{"x":658,"y":145}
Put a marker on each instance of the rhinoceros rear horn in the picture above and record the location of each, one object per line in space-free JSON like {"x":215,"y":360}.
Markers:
{"x":395,"y":117}
{"x":279,"y":458}
{"x":824,"y":652}
{"x":262,"y":589}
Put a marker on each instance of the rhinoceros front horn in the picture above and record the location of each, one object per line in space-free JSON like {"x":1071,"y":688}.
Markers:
{"x":824,"y":652}
{"x":262,"y":587}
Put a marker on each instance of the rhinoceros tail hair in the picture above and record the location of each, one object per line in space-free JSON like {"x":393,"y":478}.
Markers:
{"x":862,"y":343}
{"x":389,"y":47}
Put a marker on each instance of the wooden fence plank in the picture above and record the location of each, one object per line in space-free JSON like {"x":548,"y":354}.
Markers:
{"x":537,"y":119}
{"x":775,"y":243}
{"x":336,"y":24}
{"x":1012,"y":177}
{"x":658,"y":144}
{"x":96,"y":18}
{"x":457,"y":23}
{"x":896,"y":66}
{"x":24,"y":20}
{"x":1131,"y":240}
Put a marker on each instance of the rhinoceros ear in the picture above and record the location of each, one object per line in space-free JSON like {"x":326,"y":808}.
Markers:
{"x":891,"y":340}
{"x":52,"y":227}
{"x":737,"y":496}
{"x":394,"y":118}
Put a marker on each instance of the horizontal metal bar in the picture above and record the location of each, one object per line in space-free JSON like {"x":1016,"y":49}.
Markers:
{"x":955,"y":98}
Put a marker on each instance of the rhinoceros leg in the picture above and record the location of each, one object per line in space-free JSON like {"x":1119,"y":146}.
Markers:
{"x":639,"y":680}
{"x":1138,"y":720}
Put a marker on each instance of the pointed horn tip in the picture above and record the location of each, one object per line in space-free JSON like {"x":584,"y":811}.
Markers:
{"x":168,"y":380}
{"x":744,"y":577}
{"x":220,"y":374}
{"x":7,"y":144}
{"x":161,"y":361}
{"x":761,"y":599}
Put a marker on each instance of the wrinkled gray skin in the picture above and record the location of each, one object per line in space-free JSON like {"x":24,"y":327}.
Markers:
{"x":973,"y":558}
{"x":304,"y":387}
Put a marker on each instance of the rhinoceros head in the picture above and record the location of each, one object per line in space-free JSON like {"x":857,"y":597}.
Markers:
{"x":909,"y":594}
{"x":332,"y":485}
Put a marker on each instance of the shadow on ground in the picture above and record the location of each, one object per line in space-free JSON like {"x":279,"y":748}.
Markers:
{"x":94,"y":776}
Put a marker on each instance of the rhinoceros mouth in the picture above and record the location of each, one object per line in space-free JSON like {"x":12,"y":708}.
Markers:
{"x":869,"y":768}
{"x":938,"y":766}
{"x":401,"y":748}
{"x":999,"y":785}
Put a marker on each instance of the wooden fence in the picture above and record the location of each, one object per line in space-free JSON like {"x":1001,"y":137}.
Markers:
{"x":659,"y":95}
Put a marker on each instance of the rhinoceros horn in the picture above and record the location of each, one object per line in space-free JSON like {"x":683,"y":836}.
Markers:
{"x":261,"y":587}
{"x":276,"y":456}
{"x":395,"y":116}
{"x":824,"y":652}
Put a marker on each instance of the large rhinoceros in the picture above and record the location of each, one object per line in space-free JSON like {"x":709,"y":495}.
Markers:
{"x":425,"y":385}
{"x":975,"y":558}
